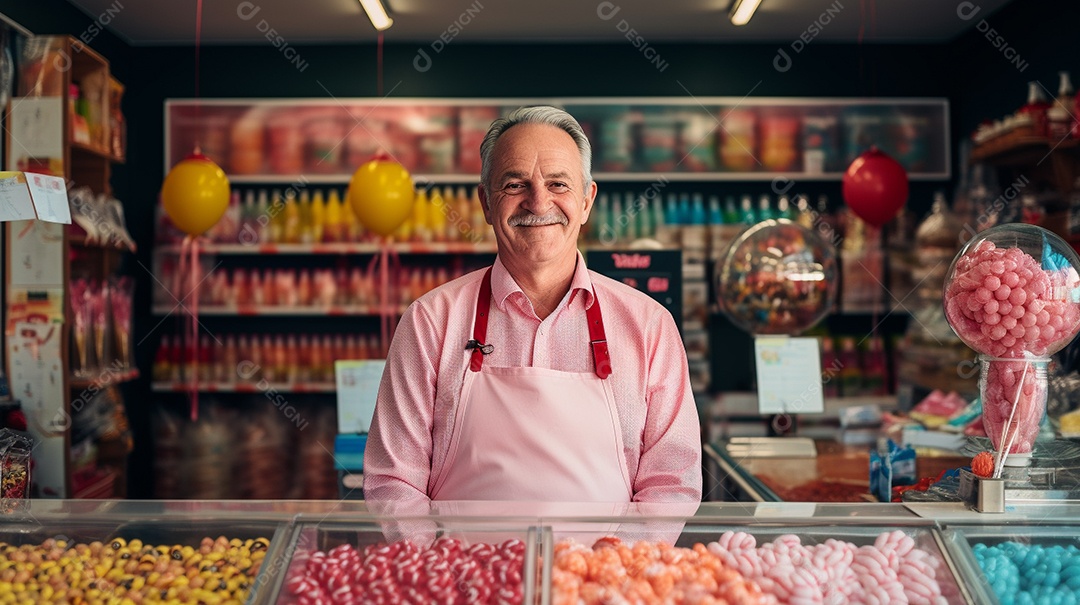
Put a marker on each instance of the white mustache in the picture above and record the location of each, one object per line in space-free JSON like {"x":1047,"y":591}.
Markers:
{"x":533,"y":220}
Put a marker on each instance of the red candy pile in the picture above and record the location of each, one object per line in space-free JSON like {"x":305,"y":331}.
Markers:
{"x":1002,"y":303}
{"x":449,"y":571}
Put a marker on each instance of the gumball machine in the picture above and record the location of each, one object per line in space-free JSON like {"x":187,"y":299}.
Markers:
{"x":776,"y":280}
{"x":1013,"y":295}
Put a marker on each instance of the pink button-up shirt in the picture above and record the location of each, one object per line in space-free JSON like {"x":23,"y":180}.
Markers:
{"x":421,"y":385}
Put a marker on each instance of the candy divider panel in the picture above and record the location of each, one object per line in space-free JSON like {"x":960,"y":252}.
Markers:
{"x":962,"y":542}
{"x":421,"y":559}
{"x":911,"y":551}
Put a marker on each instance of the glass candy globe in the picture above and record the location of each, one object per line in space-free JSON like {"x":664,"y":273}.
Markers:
{"x":1013,"y":291}
{"x":1013,"y":295}
{"x":777,"y":277}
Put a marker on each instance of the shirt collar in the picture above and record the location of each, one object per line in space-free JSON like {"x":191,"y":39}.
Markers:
{"x":503,"y":284}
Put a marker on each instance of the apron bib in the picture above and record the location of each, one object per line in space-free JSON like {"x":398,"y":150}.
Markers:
{"x":538,"y":434}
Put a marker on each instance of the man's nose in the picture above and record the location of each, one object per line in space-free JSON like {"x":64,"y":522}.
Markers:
{"x":538,"y":200}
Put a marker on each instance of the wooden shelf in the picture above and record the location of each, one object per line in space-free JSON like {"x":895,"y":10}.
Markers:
{"x":340,"y":248}
{"x":1034,"y":157}
{"x":109,"y":379}
{"x":94,"y":150}
{"x":246,"y":387}
{"x":81,"y":241}
{"x":280,"y":311}
{"x":627,"y":177}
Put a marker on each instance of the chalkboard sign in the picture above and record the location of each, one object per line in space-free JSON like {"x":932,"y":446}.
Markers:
{"x":657,"y":273}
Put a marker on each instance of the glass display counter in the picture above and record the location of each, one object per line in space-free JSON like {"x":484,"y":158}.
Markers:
{"x":512,"y":552}
{"x":758,"y":470}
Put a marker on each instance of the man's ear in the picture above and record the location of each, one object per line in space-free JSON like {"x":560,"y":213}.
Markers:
{"x":590,"y":197}
{"x":481,"y":192}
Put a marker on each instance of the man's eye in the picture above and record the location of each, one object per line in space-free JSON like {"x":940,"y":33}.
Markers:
{"x":514,"y":187}
{"x":559,"y":186}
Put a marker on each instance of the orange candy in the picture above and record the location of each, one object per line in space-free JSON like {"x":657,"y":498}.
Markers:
{"x":648,"y":572}
{"x":983,"y":465}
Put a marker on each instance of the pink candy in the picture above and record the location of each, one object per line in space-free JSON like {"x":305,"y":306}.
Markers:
{"x":890,"y":571}
{"x":1002,"y":389}
{"x":1003,"y":304}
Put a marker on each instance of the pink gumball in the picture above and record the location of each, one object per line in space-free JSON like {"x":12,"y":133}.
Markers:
{"x":1005,"y":307}
{"x":992,"y":282}
{"x":1003,"y":292}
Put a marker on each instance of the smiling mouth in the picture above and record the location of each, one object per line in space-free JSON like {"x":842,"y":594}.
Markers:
{"x":532,"y":220}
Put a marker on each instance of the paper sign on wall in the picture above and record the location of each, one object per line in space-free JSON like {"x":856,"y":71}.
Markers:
{"x":788,"y":375}
{"x":28,"y":195}
{"x":357,"y":389}
{"x":37,"y":380}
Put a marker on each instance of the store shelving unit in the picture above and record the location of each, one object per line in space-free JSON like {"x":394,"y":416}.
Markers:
{"x":83,"y":149}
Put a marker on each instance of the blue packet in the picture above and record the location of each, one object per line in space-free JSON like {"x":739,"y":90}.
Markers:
{"x":902,"y":463}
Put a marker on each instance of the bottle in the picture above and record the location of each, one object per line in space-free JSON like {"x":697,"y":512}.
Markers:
{"x":804,"y":215}
{"x":230,"y":361}
{"x":318,"y":216}
{"x":419,"y":218}
{"x":262,"y":217}
{"x":875,"y":368}
{"x":303,"y":360}
{"x":631,"y":208}
{"x":292,"y":368}
{"x":291,"y":221}
{"x":1035,"y":110}
{"x":306,"y":228}
{"x":644,"y":218}
{"x":249,"y":228}
{"x":1059,"y":116}
{"x":460,"y":228}
{"x":615,"y":221}
{"x":746,"y":210}
{"x":658,"y":226}
{"x":436,"y":215}
{"x":684,"y":210}
{"x":162,"y":366}
{"x":350,"y":225}
{"x":256,"y":289}
{"x":695,"y":232}
{"x":765,"y":211}
{"x":481,"y":231}
{"x":783,"y":207}
{"x":277,"y":217}
{"x":244,"y":353}
{"x":830,"y":368}
{"x":850,"y":378}
{"x":333,"y":225}
{"x":601,"y":229}
{"x":731,"y":213}
{"x":668,"y":230}
{"x":304,"y":289}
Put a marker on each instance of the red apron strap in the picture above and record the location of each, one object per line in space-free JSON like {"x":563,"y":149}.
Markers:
{"x":598,"y":340}
{"x":483,"y":307}
{"x":597,"y":337}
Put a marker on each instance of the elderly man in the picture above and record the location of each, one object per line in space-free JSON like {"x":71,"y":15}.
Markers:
{"x":535,"y":379}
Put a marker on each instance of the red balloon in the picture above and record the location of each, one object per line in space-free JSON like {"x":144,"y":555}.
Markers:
{"x":875,"y":187}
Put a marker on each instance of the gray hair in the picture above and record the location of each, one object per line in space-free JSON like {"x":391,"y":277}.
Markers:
{"x":540,"y":114}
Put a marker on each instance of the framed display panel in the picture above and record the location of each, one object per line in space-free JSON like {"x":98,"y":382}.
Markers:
{"x":633,"y":139}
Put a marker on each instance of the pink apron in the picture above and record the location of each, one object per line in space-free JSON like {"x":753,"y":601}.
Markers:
{"x":533,"y":433}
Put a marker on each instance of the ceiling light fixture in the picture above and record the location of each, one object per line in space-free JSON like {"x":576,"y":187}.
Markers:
{"x":742,"y":10}
{"x":377,"y":14}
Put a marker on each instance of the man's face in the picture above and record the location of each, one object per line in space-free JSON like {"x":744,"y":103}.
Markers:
{"x":537,"y":199}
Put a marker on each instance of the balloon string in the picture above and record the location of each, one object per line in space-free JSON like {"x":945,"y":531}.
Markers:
{"x":378,"y":82}
{"x":198,"y":39}
{"x":194,"y":326}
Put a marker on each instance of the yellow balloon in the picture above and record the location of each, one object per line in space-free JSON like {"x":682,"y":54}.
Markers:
{"x":195,"y":194}
{"x":381,"y":193}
